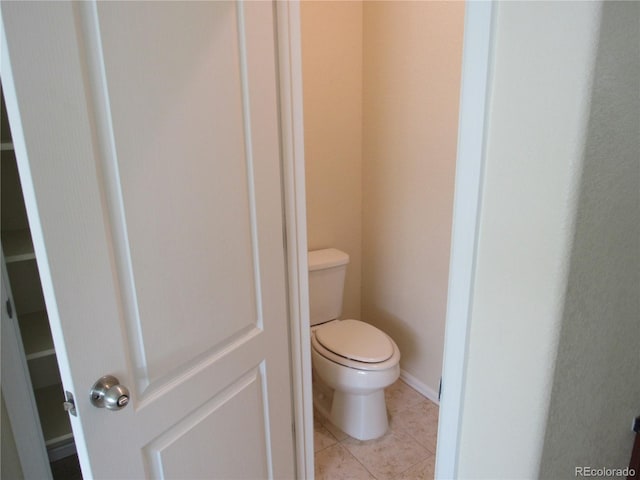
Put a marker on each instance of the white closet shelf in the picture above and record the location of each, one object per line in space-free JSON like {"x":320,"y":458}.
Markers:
{"x":53,"y":418}
{"x":17,"y":245}
{"x":36,"y":336}
{"x":6,"y":146}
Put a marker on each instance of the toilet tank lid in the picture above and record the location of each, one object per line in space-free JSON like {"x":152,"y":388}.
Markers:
{"x":326,"y":258}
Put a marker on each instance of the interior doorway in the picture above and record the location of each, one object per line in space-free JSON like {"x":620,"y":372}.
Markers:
{"x":475,"y":65}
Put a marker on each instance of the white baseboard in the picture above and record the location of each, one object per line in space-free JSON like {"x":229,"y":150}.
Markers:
{"x":420,"y":387}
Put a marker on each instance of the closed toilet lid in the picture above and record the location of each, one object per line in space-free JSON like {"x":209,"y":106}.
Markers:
{"x":355,"y":340}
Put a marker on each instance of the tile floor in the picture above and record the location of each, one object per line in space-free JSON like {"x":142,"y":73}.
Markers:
{"x":405,"y":452}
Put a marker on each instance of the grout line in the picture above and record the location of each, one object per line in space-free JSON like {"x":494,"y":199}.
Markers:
{"x":356,"y":459}
{"x":419,"y":461}
{"x":324,"y":448}
{"x":363,"y":465}
{"x":332,"y":436}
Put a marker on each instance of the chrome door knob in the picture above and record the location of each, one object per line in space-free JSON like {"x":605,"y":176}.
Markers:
{"x":108,"y":393}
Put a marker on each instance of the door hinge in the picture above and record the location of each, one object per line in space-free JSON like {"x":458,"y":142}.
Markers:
{"x":69,"y":404}
{"x":9,"y":309}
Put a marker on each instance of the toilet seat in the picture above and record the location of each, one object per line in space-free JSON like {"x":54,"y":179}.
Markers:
{"x":355,"y":340}
{"x":355,"y":344}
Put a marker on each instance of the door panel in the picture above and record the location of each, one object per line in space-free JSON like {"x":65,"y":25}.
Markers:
{"x":174,"y":136}
{"x":149,"y":151}
{"x":187,"y":449}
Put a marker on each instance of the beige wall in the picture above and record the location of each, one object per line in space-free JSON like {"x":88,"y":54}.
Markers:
{"x":381,"y":87}
{"x":332,"y":89}
{"x":538,"y":112}
{"x":596,"y":391}
{"x":412,"y":61}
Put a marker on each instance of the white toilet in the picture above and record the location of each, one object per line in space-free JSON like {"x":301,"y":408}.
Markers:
{"x":355,"y":360}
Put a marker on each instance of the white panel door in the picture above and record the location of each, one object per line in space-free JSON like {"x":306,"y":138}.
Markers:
{"x":147,"y":139}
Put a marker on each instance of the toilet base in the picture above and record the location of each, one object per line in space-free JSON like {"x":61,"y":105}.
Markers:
{"x":361,"y":416}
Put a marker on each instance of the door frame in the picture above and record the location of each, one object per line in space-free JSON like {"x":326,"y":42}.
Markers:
{"x":477,"y":67}
{"x":471,"y":144}
{"x":473,"y":114}
{"x":295,"y":213}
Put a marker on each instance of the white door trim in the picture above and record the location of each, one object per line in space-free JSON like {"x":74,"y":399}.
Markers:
{"x":474,"y":94}
{"x":292,"y":132}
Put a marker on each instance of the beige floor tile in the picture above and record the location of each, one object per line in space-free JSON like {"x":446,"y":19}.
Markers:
{"x":387,"y":457}
{"x":405,"y":452}
{"x":420,"y":422}
{"x":424,"y":470}
{"x":322,"y":438}
{"x":336,"y":463}
{"x":401,"y":396}
{"x":335,"y":431}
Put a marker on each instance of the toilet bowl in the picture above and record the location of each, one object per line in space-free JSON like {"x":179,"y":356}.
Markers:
{"x":356,"y":360}
{"x":358,"y":406}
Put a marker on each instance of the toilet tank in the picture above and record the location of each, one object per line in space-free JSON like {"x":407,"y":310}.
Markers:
{"x":327,"y":271}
